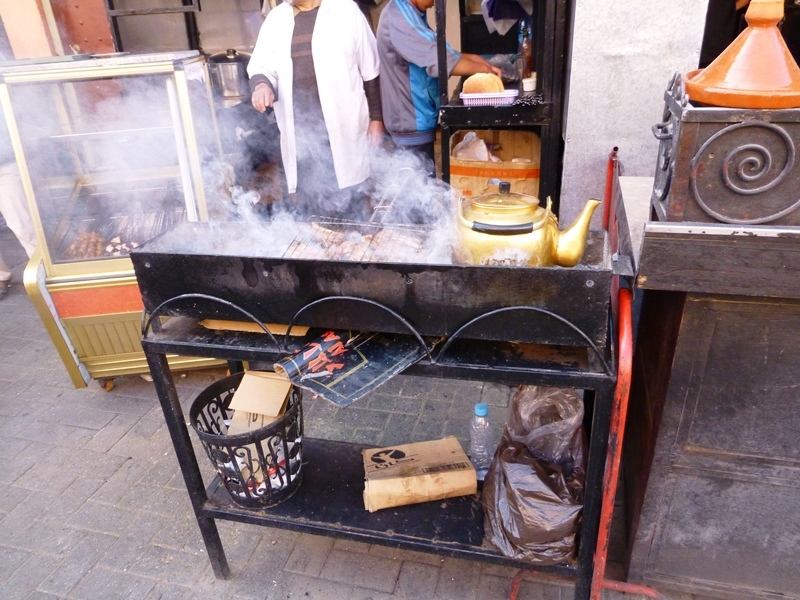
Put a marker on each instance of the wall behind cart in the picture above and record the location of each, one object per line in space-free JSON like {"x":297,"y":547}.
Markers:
{"x":623,"y":54}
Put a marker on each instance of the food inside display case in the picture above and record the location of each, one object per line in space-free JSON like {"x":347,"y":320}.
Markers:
{"x":107,"y":160}
{"x":108,"y":222}
{"x":112,"y":150}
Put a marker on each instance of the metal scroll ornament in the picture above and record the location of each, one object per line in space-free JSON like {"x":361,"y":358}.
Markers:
{"x":738,"y":174}
{"x":667,"y":131}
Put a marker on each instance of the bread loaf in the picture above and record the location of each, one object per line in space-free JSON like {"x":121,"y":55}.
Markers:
{"x":483,"y":83}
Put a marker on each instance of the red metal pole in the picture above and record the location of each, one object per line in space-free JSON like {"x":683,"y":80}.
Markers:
{"x":619,"y":412}
{"x":631,"y":588}
{"x":614,"y":452}
{"x":610,"y":167}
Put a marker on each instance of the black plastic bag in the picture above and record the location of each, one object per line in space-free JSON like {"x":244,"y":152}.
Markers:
{"x":533,"y":493}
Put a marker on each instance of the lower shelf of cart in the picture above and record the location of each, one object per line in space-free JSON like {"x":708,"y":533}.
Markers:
{"x":329,"y":502}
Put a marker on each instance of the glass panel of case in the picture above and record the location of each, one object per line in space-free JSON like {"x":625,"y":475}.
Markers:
{"x":108,"y":158}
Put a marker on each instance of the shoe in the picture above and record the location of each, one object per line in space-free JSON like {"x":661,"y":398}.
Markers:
{"x":4,"y":285}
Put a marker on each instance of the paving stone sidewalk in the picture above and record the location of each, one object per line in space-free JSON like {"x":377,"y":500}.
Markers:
{"x":93,"y":506}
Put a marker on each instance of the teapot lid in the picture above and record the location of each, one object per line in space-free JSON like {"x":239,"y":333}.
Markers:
{"x":504,"y":202}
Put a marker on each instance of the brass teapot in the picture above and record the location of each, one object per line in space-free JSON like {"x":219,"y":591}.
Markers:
{"x":495,"y":228}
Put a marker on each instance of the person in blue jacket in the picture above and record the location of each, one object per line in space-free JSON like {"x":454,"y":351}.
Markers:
{"x":409,"y":75}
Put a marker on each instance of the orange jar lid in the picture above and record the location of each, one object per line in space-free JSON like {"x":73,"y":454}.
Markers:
{"x":755,"y":71}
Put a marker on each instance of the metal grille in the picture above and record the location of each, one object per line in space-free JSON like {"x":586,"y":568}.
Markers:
{"x":331,"y":239}
{"x":385,"y":204}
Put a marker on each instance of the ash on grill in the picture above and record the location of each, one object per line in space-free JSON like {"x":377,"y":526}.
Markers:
{"x":332,"y":239}
{"x":390,"y":235}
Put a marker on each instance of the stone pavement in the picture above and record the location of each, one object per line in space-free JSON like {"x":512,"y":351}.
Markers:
{"x":93,"y":506}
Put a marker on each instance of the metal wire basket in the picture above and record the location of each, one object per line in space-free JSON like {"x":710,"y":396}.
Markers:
{"x":259,"y":468}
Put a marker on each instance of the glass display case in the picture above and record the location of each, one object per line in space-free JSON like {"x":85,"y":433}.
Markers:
{"x":112,"y":151}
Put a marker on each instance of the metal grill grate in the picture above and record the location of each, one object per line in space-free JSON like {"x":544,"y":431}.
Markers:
{"x":385,"y":203}
{"x":331,"y":239}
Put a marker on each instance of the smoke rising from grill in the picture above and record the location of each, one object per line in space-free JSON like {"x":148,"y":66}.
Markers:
{"x":413,"y":212}
{"x":111,"y":169}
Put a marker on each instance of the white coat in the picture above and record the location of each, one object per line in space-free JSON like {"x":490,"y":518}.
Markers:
{"x":345,"y":56}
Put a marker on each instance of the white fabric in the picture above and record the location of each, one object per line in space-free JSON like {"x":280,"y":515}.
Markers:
{"x":14,"y":208}
{"x":345,"y":55}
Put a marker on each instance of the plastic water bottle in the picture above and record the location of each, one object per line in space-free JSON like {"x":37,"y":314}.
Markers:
{"x":481,"y":449}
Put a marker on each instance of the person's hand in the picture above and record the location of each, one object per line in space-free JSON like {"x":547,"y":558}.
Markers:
{"x":262,"y":97}
{"x":469,"y":64}
{"x":490,"y":68}
{"x":375,"y":133}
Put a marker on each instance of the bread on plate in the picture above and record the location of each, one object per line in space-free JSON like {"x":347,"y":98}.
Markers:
{"x":483,"y":83}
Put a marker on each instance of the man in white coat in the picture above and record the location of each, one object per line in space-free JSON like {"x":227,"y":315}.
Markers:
{"x":316,"y":63}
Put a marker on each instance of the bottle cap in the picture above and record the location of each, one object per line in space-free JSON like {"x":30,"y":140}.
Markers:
{"x":481,"y":409}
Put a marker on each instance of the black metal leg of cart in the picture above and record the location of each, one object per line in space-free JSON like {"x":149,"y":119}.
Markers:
{"x":593,"y":494}
{"x":445,"y":142}
{"x":173,"y":414}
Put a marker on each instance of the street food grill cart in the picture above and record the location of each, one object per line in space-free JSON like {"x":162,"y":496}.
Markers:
{"x":512,"y":325}
{"x":110,"y":151}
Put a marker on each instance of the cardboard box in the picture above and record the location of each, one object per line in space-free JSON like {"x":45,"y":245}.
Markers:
{"x":520,"y":153}
{"x":413,"y":473}
{"x":258,"y":401}
{"x":250,"y":327}
{"x":243,"y":421}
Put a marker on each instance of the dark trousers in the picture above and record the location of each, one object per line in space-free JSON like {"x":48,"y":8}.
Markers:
{"x":425,"y":153}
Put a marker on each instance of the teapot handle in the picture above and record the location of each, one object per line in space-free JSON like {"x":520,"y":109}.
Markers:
{"x":502,"y":229}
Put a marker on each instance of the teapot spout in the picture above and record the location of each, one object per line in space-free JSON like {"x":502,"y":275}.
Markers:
{"x":572,"y":241}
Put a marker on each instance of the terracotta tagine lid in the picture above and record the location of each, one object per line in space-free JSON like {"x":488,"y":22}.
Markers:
{"x":755,"y":71}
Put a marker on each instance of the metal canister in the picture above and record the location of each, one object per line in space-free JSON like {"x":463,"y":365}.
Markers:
{"x":229,"y":76}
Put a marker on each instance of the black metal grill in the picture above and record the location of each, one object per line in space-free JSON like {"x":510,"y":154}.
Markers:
{"x":222,"y":260}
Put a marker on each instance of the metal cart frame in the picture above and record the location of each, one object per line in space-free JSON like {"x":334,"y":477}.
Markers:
{"x":414,"y":526}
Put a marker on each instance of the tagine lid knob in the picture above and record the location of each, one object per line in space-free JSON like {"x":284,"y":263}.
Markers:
{"x":755,"y":71}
